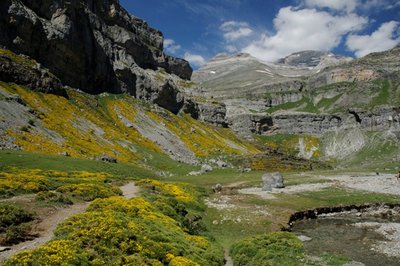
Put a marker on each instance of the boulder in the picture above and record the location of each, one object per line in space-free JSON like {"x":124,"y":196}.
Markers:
{"x":272,"y":180}
{"x":217,"y":188}
{"x":205,"y":168}
{"x":221,"y":164}
{"x":107,"y":159}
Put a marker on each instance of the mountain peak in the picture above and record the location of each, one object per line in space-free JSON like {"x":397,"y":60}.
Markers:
{"x":310,"y":58}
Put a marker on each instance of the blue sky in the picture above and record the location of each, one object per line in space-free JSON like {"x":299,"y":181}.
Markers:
{"x":197,"y":30}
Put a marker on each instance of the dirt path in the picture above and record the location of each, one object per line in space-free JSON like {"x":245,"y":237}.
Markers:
{"x":129,"y":190}
{"x":228,"y":258}
{"x":48,"y":224}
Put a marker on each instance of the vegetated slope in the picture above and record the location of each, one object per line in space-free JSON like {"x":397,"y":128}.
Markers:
{"x":117,"y":126}
{"x":163,"y":227}
{"x":349,"y":107}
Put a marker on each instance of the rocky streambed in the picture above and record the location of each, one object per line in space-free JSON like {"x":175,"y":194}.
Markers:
{"x":365,"y":239}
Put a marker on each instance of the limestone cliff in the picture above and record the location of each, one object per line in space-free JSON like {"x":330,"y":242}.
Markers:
{"x":95,"y":46}
{"x":305,"y":93}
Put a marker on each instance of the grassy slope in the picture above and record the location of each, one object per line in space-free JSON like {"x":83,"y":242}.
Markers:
{"x":88,"y":126}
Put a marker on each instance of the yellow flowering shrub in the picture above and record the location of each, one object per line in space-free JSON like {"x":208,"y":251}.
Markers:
{"x":84,"y":185}
{"x":57,"y":252}
{"x":22,"y":181}
{"x":180,"y":192}
{"x":182,"y":261}
{"x":118,"y":231}
{"x":89,"y":192}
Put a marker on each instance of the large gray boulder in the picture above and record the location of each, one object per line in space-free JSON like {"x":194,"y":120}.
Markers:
{"x":272,"y":180}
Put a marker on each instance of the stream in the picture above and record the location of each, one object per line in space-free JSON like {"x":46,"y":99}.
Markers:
{"x":363,"y":239}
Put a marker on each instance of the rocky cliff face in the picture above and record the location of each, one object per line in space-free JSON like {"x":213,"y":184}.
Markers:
{"x":309,"y":93}
{"x":95,"y":46}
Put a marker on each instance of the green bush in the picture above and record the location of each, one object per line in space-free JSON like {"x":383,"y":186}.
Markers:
{"x":89,"y":192}
{"x":14,"y":223}
{"x":53,"y":197}
{"x":278,"y":248}
{"x":13,"y":215}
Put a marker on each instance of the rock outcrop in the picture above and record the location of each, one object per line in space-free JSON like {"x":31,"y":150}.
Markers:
{"x":210,"y":112}
{"x":95,"y":46}
{"x":301,"y":123}
{"x":28,"y":73}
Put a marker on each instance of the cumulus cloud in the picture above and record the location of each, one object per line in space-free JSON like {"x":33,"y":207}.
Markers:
{"x":304,"y":29}
{"x":338,"y":5}
{"x":170,"y":46}
{"x":386,"y":37}
{"x":194,"y":59}
{"x":234,"y":30}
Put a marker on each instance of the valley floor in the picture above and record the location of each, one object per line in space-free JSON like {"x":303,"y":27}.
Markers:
{"x":237,"y":213}
{"x":243,"y":210}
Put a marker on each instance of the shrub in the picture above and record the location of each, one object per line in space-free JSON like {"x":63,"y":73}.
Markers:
{"x":24,"y":128}
{"x":13,"y":215}
{"x":14,"y":224}
{"x":54,"y":197}
{"x":278,"y":248}
{"x":117,"y":231}
{"x":17,"y":181}
{"x":89,"y":192}
{"x":58,"y":252}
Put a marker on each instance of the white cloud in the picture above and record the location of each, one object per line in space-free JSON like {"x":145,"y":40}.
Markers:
{"x":231,"y":48}
{"x":379,"y":4}
{"x":304,"y":29}
{"x":338,"y":5}
{"x":386,"y":37}
{"x":170,"y":46}
{"x":194,"y":59}
{"x":234,"y":30}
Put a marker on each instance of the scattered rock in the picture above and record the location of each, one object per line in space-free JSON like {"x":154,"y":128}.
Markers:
{"x":217,"y":188}
{"x":244,"y":170}
{"x":272,"y":180}
{"x":65,"y":153}
{"x":304,"y":238}
{"x":16,"y":98}
{"x":221,"y":164}
{"x":107,"y":159}
{"x":4,"y":249}
{"x":354,"y":263}
{"x":194,"y":173}
{"x":205,"y":168}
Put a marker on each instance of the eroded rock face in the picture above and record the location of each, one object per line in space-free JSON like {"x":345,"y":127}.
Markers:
{"x":210,"y":112}
{"x":248,"y":124}
{"x":33,"y":76}
{"x":95,"y":46}
{"x":299,"y":123}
